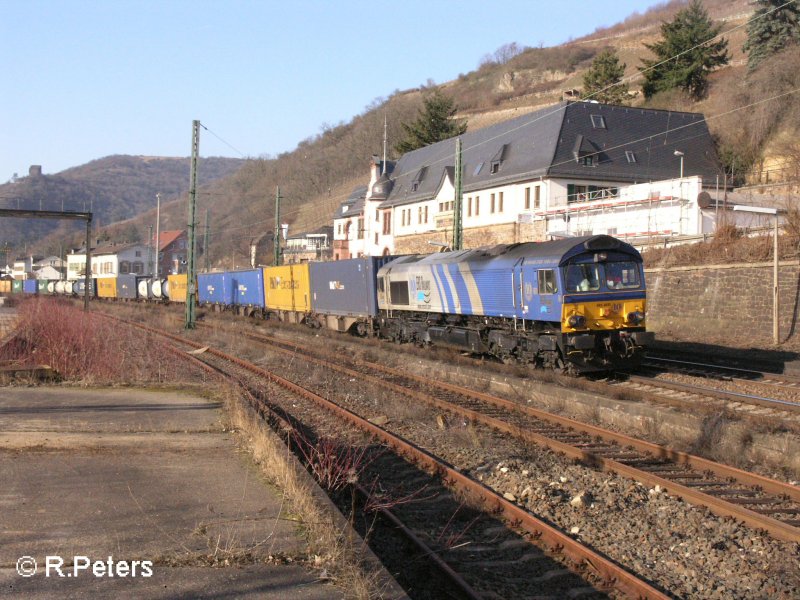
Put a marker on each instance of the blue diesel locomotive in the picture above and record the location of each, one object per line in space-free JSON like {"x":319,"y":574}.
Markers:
{"x":576,"y":304}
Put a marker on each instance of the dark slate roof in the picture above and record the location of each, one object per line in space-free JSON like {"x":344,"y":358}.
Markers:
{"x":355,"y":203}
{"x":548,"y":142}
{"x":652,"y":135}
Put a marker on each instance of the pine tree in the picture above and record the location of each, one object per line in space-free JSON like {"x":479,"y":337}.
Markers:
{"x":602,"y":81}
{"x":772,"y":28}
{"x":685,"y":57}
{"x":434,"y":123}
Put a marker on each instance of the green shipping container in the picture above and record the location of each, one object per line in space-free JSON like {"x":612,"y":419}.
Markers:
{"x":17,"y":287}
{"x":42,"y":285}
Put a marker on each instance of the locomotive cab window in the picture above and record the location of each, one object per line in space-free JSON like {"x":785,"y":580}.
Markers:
{"x":583,"y":277}
{"x":623,"y":275}
{"x":547,"y":281}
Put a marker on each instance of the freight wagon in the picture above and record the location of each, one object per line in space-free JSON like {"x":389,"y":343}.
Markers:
{"x":106,"y":287}
{"x":287,"y":292}
{"x":248,"y":291}
{"x":175,"y":288}
{"x":343,"y":293}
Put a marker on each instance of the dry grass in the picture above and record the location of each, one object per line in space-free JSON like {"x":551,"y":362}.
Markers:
{"x":87,"y":348}
{"x":337,"y":550}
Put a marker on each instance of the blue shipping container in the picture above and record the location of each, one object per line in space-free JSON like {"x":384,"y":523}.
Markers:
{"x":346,"y":287}
{"x":30,"y":286}
{"x":214,"y":288}
{"x":248,"y":287}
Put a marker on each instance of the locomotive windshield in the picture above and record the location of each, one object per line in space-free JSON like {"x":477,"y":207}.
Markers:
{"x":622,"y":275}
{"x":583,"y":278}
{"x":590,"y":277}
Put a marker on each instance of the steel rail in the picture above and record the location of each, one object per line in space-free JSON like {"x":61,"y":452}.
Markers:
{"x":775,"y":527}
{"x":737,"y":373}
{"x":264,"y":411}
{"x":612,"y":575}
{"x":723,"y":394}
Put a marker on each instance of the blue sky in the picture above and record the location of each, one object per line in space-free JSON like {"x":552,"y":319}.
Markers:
{"x":86,"y":79}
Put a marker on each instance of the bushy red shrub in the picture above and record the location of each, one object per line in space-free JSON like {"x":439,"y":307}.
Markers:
{"x":88,"y":347}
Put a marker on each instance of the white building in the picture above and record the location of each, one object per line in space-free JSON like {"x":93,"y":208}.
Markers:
{"x":110,"y":261}
{"x":574,"y":168}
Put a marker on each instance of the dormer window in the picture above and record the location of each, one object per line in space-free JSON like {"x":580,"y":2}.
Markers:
{"x":497,"y":159}
{"x":598,"y":122}
{"x":586,"y":161}
{"x":418,"y":179}
{"x":630,"y":156}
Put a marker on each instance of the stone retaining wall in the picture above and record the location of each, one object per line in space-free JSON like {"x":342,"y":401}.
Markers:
{"x":714,"y":301}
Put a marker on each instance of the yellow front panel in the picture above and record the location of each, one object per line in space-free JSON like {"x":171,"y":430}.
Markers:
{"x":5,"y":286}
{"x":287,"y":287}
{"x":106,"y":287}
{"x":177,"y":287}
{"x":602,"y":316}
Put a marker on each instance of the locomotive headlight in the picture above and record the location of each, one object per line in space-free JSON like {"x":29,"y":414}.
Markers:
{"x":635,"y":317}
{"x":577,"y":321}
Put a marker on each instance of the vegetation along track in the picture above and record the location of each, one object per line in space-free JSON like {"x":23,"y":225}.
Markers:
{"x":481,"y":539}
{"x":743,"y":391}
{"x":758,"y":501}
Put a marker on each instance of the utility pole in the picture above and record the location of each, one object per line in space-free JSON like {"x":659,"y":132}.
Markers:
{"x":191,"y":292}
{"x":205,"y":245}
{"x":458,"y":226}
{"x":158,"y":234}
{"x":150,"y":249}
{"x":277,"y":259}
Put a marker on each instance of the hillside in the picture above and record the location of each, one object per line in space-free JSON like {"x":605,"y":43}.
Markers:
{"x":319,"y":174}
{"x":114,"y":188}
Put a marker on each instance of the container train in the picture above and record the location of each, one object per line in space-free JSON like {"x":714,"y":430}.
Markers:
{"x":576,"y":304}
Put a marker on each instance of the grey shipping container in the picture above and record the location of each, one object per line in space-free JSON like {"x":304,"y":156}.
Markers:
{"x":126,"y":287}
{"x":346,"y":287}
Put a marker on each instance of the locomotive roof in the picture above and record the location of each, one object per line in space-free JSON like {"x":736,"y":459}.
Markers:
{"x":555,"y":252}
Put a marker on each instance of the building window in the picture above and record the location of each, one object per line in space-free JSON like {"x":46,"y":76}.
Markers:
{"x":527,"y":198}
{"x":537,"y":197}
{"x":376,"y":237}
{"x":469,"y":206}
{"x":598,"y":122}
{"x":495,"y":167}
{"x":577,"y":193}
{"x":138,"y":267}
{"x":500,"y":202}
{"x":586,"y":161}
{"x":124,"y":267}
{"x":477,"y":205}
{"x":491,"y":204}
{"x":630,"y":156}
{"x":361,"y":228}
{"x":339,"y":230}
{"x":138,"y":253}
{"x":377,"y":215}
{"x":426,"y":213}
{"x":387,"y":223}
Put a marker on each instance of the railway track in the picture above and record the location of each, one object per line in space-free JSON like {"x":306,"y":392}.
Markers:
{"x":487,"y":537}
{"x":760,"y":502}
{"x":751,"y":386}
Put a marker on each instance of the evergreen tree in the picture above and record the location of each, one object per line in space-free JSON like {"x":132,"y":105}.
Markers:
{"x":772,"y":28}
{"x":683,"y":58}
{"x":602,"y":81}
{"x":434,"y":123}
